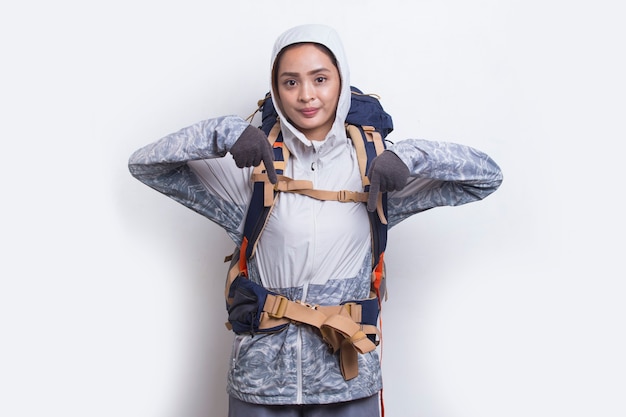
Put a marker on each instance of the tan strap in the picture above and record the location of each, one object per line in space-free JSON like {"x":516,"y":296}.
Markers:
{"x":344,"y":319}
{"x":278,"y":307}
{"x":354,"y":132}
{"x":343,"y":196}
{"x":349,"y":339}
{"x":354,"y":310}
{"x":339,"y":325}
{"x":274,"y":132}
{"x":305,"y":187}
{"x":374,"y":136}
{"x":348,"y":361}
{"x":337,"y":328}
{"x":286,"y":184}
{"x":380,"y":210}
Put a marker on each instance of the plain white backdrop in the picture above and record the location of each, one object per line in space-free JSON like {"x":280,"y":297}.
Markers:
{"x":111,"y":294}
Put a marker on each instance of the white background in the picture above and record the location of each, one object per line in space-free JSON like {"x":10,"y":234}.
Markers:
{"x":111,"y":294}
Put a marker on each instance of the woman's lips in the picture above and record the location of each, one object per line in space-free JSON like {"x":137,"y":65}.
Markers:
{"x":309,"y":112}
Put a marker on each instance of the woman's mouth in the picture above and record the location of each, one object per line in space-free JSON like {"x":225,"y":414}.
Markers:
{"x":309,"y":112}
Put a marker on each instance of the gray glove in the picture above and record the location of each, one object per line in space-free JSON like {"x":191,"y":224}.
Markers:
{"x":387,"y":173}
{"x":251,"y":148}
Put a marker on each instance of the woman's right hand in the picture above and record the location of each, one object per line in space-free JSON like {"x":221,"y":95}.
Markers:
{"x":251,"y":148}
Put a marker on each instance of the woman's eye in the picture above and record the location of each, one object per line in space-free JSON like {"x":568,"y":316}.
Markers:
{"x":320,"y":79}
{"x":290,"y":83}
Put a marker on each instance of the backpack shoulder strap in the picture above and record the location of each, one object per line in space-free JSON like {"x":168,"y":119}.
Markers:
{"x":263,"y":197}
{"x":369,"y":143}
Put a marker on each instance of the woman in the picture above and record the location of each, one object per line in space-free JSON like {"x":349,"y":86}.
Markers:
{"x":310,"y":250}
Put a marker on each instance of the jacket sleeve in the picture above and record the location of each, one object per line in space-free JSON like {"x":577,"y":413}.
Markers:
{"x":188,"y":167}
{"x":441,"y":174}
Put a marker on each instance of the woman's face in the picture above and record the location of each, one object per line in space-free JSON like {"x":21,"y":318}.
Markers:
{"x":308,"y":87}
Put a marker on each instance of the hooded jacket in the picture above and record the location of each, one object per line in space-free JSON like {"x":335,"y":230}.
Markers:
{"x":314,"y":251}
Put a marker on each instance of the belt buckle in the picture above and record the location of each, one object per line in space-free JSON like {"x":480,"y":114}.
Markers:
{"x":279,"y":307}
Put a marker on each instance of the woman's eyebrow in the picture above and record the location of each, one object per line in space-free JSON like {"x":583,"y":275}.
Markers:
{"x":312,"y":72}
{"x":316,"y":71}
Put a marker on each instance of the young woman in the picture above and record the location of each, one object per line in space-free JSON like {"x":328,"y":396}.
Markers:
{"x":317,"y":252}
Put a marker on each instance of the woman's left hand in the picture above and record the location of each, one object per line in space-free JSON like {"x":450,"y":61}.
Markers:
{"x":387,"y":173}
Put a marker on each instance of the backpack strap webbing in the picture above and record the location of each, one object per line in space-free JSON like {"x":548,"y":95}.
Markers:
{"x":368,"y":148}
{"x":341,"y":327}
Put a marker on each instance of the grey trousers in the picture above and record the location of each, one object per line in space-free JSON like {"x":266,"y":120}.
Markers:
{"x":364,"y":407}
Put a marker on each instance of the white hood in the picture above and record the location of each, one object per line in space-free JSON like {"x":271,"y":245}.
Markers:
{"x":328,"y":37}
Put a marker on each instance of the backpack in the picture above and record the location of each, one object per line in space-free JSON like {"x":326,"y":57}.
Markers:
{"x":254,"y":309}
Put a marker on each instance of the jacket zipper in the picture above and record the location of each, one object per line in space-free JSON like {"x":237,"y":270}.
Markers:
{"x":305,"y":290}
{"x":299,"y":366}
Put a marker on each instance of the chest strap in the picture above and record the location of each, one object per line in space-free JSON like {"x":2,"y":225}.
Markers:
{"x":305,"y":187}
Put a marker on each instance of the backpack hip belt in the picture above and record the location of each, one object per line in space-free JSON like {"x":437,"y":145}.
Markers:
{"x":349,"y":328}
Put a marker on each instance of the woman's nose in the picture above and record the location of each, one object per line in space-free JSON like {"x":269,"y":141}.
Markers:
{"x":306,"y":92}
